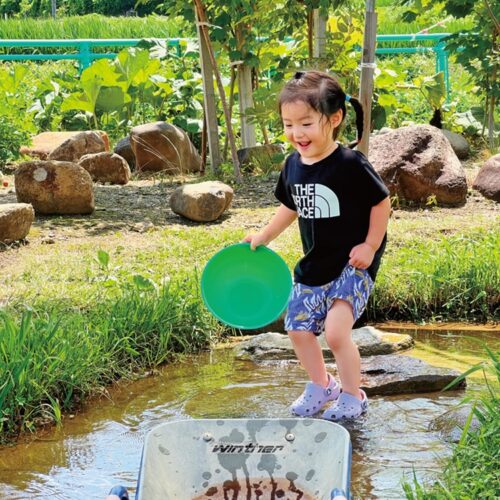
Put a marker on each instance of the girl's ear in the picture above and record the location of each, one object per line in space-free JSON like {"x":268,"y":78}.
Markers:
{"x":336,"y":118}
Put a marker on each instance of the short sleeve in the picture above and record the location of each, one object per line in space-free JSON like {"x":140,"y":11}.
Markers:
{"x":369,"y":183}
{"x":283,"y":192}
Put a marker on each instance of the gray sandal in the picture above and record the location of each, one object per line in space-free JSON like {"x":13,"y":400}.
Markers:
{"x":347,"y":406}
{"x":315,"y":397}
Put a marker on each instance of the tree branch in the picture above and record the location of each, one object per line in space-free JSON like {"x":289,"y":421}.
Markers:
{"x":492,"y":15}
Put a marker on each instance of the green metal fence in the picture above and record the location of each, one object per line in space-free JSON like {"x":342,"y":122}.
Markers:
{"x":85,"y":53}
{"x":439,"y":50}
{"x":84,"y":49}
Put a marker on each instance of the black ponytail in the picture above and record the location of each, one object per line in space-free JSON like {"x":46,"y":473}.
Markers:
{"x":358,"y":109}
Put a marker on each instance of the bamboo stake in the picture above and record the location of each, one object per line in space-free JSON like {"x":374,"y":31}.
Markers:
{"x":203,"y":29}
{"x":231,"y":103}
{"x":204,"y":138}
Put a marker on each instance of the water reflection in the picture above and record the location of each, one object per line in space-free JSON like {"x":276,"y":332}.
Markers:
{"x":102,"y":446}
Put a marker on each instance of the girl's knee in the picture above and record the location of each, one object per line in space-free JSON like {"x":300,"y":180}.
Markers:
{"x":301,"y":336}
{"x":337,"y":340}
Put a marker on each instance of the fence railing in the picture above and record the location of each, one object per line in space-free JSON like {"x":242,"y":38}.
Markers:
{"x":85,"y":49}
{"x":439,"y":50}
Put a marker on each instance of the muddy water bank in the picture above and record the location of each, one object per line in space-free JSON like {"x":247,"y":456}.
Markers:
{"x":102,"y":446}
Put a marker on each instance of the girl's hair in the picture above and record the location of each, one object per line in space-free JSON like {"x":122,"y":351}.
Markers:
{"x":323,"y":93}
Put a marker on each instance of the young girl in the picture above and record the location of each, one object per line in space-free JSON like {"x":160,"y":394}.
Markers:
{"x":343,"y":209}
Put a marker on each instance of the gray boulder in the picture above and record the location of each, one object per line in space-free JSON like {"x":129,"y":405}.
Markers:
{"x":399,"y":374}
{"x":418,"y":162}
{"x":76,"y":146}
{"x":487,"y":181}
{"x":54,"y":187}
{"x":458,"y":143}
{"x":161,"y":146}
{"x":201,"y":202}
{"x":106,"y":167}
{"x":15,"y":221}
{"x":370,"y":341}
{"x":261,"y":158}
{"x":124,"y":149}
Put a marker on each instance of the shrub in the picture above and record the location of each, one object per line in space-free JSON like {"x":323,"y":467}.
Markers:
{"x":11,"y":139}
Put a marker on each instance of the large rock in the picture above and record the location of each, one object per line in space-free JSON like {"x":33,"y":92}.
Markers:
{"x":202,"y":202}
{"x":418,"y":162}
{"x":55,"y":187}
{"x":369,"y":340}
{"x":124,"y":149}
{"x":43,"y":144}
{"x":161,"y":146}
{"x":458,"y":143}
{"x":106,"y":167}
{"x":398,"y":374}
{"x":487,"y":181}
{"x":15,"y":221}
{"x":261,"y":158}
{"x":78,"y":145}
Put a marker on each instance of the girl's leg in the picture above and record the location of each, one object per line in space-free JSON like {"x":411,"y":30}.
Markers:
{"x":338,"y":333}
{"x":308,"y":352}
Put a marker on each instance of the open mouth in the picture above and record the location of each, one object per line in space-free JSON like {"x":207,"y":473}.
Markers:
{"x":304,"y":144}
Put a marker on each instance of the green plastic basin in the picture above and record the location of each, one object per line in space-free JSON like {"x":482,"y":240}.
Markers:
{"x":246,"y":288}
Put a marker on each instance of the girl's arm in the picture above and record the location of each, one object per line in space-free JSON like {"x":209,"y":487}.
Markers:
{"x":279,"y":222}
{"x":361,"y":255}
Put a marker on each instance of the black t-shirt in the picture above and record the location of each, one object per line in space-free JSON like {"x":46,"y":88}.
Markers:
{"x":333,"y":199}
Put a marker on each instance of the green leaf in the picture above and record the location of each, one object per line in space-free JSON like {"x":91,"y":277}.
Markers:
{"x":379,"y":116}
{"x":143,"y":283}
{"x":78,"y":100}
{"x":110,"y":99}
{"x":435,"y":89}
{"x":103,"y":258}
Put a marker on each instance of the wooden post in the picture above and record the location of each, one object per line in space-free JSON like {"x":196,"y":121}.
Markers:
{"x":245,"y":90}
{"x":53,"y":8}
{"x":209,"y":103}
{"x":367,"y":71}
{"x":319,"y":48}
{"x":202,"y":24}
{"x":245,"y":101}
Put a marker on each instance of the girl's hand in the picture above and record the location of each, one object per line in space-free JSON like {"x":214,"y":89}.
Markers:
{"x":255,"y":240}
{"x":361,"y":256}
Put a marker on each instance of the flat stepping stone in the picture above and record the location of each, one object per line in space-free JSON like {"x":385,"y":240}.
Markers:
{"x":370,"y":341}
{"x":400,"y":374}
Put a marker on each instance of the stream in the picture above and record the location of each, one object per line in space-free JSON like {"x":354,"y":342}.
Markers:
{"x":101,"y":446}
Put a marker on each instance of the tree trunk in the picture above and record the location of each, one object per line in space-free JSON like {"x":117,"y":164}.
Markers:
{"x":245,"y":98}
{"x":367,"y":71}
{"x":204,"y":31}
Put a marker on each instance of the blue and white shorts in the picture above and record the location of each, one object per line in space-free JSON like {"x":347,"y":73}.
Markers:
{"x":309,"y":305}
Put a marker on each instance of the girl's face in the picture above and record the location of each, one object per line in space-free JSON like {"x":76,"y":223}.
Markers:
{"x":309,"y":132}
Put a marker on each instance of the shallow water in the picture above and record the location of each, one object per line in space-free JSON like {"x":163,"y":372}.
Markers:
{"x":101,"y":447}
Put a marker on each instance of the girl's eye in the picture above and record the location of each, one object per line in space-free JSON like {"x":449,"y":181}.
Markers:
{"x":287,"y":125}
{"x":306,"y":124}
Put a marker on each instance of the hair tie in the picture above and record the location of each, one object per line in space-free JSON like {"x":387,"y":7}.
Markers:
{"x":298,"y":75}
{"x":347,"y":97}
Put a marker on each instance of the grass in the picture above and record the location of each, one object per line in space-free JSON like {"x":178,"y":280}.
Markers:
{"x":93,"y":26}
{"x":52,"y":359}
{"x":473,"y":469}
{"x":449,"y":277}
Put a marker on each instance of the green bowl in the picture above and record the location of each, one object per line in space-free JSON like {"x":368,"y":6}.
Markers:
{"x":246,"y":288}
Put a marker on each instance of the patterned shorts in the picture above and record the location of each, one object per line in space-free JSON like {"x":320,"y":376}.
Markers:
{"x":309,"y":305}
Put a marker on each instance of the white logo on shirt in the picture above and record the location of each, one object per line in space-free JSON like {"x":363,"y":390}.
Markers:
{"x":315,"y":201}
